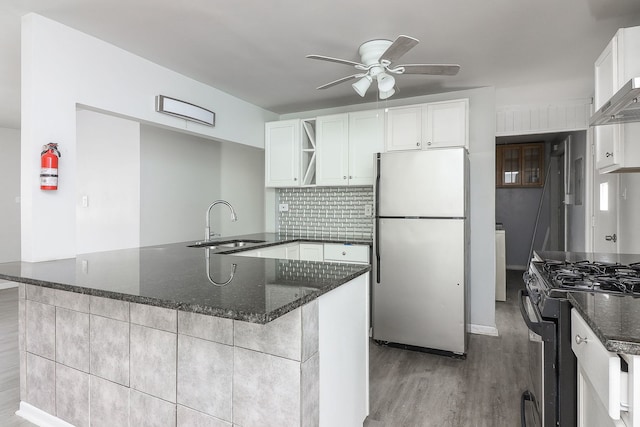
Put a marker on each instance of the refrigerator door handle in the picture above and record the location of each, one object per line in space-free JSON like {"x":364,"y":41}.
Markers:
{"x":377,"y":205}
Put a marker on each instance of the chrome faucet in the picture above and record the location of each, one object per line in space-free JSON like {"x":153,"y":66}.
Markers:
{"x":207,"y":230}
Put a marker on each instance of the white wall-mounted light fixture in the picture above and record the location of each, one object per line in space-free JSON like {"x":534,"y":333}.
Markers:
{"x":185,"y":110}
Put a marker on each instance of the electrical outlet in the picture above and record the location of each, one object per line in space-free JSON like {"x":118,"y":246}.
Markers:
{"x":283,"y":207}
{"x":368,"y":210}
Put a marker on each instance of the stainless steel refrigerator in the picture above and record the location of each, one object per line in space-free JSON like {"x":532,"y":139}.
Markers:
{"x":421,"y":249}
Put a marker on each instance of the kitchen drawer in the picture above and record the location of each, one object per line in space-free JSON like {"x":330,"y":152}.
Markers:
{"x":358,"y":254}
{"x":600,"y":366}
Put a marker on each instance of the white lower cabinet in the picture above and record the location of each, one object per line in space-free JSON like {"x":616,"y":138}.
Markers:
{"x":353,"y":254}
{"x":284,"y":251}
{"x":311,"y":252}
{"x":606,"y":392}
{"x":328,"y":252}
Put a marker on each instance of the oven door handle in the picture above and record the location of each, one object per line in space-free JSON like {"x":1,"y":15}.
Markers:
{"x":546,"y":329}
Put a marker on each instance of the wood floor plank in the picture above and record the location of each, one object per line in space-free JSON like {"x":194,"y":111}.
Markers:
{"x":413,"y":389}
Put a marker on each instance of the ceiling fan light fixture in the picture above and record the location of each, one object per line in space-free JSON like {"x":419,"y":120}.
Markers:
{"x":385,"y":82}
{"x":362,"y":85}
{"x":386,"y":94}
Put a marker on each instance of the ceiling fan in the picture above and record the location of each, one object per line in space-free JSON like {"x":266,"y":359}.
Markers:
{"x":377,"y":57}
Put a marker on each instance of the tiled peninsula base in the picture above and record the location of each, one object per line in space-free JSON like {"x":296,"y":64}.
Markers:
{"x":92,"y":361}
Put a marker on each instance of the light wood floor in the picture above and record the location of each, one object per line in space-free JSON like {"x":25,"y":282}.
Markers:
{"x":408,"y":389}
{"x":412,"y":389}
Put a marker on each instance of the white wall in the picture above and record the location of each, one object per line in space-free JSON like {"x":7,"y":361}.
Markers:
{"x":182,"y":174}
{"x":9,"y":190}
{"x":242,"y":185}
{"x":108,"y":177}
{"x":559,"y":91}
{"x":628,"y":208}
{"x":62,"y":68}
{"x":482,"y":160}
{"x":180,"y":177}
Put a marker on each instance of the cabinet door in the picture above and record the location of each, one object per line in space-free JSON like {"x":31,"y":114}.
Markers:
{"x":293,"y":251}
{"x":606,"y":84}
{"x":311,"y":252}
{"x":446,"y":124}
{"x":277,"y":251}
{"x":591,"y":411}
{"x":404,"y":128}
{"x":366,"y":136}
{"x":282,"y":153}
{"x":332,"y":150}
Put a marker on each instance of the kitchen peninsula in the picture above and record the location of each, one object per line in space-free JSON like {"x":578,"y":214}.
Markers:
{"x":181,"y":336}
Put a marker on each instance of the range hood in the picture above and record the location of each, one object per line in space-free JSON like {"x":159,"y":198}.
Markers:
{"x":623,"y":107}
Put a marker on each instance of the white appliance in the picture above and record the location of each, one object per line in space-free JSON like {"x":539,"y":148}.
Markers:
{"x":420,"y":249}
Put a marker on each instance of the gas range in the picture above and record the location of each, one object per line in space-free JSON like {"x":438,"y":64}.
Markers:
{"x":552,"y":274}
{"x":547,"y":313}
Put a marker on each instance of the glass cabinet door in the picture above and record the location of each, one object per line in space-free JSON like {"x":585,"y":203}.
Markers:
{"x":531,"y":165}
{"x":511,"y":166}
{"x":520,"y":165}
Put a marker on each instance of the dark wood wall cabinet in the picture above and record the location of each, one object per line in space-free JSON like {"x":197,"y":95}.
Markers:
{"x":520,"y":165}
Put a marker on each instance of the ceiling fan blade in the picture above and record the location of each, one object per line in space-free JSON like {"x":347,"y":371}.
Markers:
{"x":399,"y":47}
{"x":344,"y":79}
{"x":330,"y":59}
{"x":433,"y":69}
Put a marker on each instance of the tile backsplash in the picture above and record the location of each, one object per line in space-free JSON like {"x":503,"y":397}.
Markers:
{"x":326,"y":212}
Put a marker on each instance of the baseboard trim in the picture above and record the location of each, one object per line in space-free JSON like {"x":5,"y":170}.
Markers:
{"x":8,"y":285}
{"x":40,"y":417}
{"x":483,"y":330}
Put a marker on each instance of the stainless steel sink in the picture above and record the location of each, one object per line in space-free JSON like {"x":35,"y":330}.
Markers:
{"x":225,"y":244}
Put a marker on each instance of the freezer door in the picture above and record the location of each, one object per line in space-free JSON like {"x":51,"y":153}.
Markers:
{"x":422,"y":184}
{"x":420,"y":297}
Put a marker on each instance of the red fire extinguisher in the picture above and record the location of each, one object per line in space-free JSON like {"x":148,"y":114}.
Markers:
{"x":49,"y":166}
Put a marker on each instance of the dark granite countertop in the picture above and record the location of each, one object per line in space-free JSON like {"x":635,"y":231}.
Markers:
{"x":613,"y":318}
{"x":196,"y":279}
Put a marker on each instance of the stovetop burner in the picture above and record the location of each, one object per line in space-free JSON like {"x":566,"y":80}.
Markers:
{"x":592,"y":276}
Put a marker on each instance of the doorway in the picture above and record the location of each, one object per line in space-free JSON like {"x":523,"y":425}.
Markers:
{"x":551,"y":217}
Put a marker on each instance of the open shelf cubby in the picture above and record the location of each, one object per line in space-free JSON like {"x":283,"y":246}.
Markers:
{"x":309,"y":151}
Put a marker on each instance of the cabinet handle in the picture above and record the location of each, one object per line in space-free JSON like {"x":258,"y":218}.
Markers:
{"x":295,"y":179}
{"x":580,"y":340}
{"x":429,"y":143}
{"x":344,"y":177}
{"x":350,"y":177}
{"x":344,"y":253}
{"x":611,"y":238}
{"x":417,"y":144}
{"x":608,"y":154}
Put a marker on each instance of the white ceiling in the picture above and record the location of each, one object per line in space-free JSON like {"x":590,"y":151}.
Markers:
{"x":255,"y":49}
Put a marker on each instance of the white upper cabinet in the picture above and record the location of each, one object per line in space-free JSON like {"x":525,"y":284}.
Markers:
{"x":345,"y":147}
{"x":446,"y":124}
{"x":332,"y":150}
{"x":432,"y":125}
{"x":290,"y":158}
{"x":366,"y":137}
{"x":282,"y":146}
{"x":404,"y":128}
{"x":618,"y":63}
